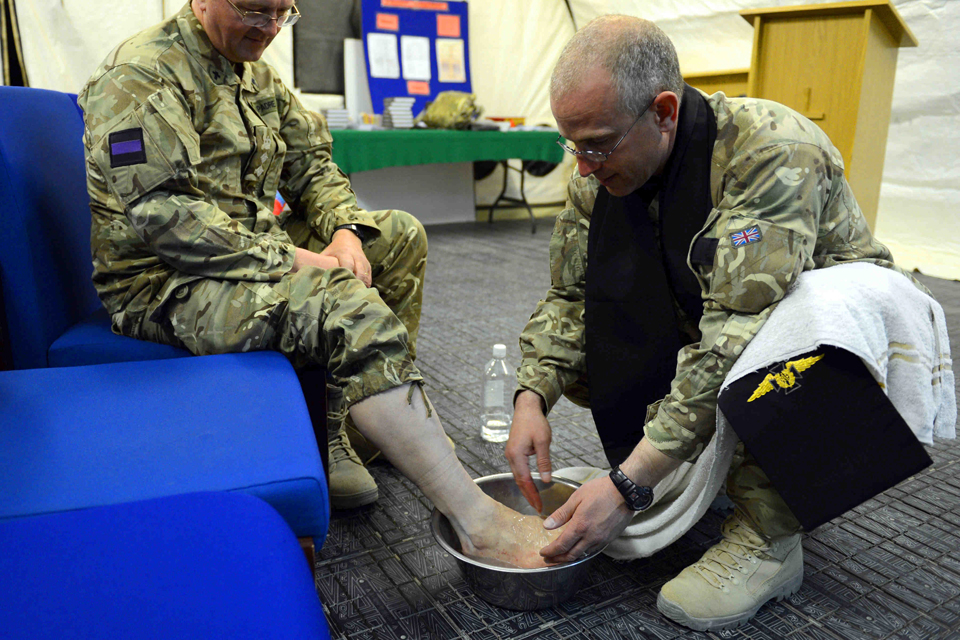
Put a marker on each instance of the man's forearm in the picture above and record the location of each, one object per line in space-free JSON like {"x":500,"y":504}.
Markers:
{"x":526,"y":399}
{"x":647,"y":466}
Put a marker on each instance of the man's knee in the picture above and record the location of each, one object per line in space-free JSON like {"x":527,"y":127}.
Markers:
{"x":403,"y":237}
{"x":349,"y":320}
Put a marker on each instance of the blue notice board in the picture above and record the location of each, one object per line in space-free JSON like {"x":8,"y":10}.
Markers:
{"x":415,"y":48}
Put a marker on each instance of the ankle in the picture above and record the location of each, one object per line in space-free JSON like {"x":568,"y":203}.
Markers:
{"x":474,"y":524}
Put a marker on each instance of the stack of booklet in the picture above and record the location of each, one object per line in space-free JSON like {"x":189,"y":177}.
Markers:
{"x":337,"y":118}
{"x":398,"y":113}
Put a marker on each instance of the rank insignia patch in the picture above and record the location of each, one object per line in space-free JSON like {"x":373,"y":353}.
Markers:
{"x":746,"y":236}
{"x":126,"y":148}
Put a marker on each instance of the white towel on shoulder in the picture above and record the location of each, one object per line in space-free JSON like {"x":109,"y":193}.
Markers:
{"x":899,"y":332}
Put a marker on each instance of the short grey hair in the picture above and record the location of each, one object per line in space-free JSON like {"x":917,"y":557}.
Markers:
{"x":639,"y":56}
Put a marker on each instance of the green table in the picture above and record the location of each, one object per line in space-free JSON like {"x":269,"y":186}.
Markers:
{"x":355,"y":151}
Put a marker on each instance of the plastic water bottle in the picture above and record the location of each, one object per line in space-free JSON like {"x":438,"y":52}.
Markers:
{"x":497,"y":406}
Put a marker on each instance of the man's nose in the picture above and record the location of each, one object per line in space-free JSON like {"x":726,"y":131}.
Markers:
{"x":271,"y":28}
{"x":586,"y":167}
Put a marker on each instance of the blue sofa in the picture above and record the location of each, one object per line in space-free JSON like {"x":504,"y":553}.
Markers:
{"x":89,"y":418}
{"x":191,"y":567}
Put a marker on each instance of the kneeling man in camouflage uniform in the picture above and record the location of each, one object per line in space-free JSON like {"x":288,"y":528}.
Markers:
{"x":188,"y":138}
{"x":688,"y":218}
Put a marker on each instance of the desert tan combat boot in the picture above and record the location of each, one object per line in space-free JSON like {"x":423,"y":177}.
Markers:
{"x":351,"y":485}
{"x":365,"y":450}
{"x":733,"y":579}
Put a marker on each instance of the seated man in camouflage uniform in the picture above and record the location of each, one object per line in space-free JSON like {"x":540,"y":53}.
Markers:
{"x":694,"y":213}
{"x":188,"y":138}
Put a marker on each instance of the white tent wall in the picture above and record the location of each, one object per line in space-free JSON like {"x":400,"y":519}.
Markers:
{"x":514,"y":43}
{"x":64,"y":41}
{"x":513,"y":47}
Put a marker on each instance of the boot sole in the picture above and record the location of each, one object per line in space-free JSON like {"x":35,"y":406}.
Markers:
{"x":355,"y":500}
{"x":678,"y":615}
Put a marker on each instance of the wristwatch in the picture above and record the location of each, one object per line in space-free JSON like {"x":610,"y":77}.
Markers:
{"x":357,"y":231}
{"x":637,"y":498}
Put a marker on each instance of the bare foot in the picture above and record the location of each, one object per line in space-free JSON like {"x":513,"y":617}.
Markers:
{"x":510,"y":539}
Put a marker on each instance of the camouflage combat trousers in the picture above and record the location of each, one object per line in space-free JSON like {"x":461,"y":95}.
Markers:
{"x":754,"y":496}
{"x":364,"y":337}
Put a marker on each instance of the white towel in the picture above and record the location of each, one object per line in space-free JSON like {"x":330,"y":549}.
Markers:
{"x":899,"y":332}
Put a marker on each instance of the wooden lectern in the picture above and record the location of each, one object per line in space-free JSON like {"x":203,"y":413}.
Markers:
{"x":732,"y":82}
{"x":835,"y":64}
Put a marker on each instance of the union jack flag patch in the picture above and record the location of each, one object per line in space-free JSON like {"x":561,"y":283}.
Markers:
{"x":746,"y":236}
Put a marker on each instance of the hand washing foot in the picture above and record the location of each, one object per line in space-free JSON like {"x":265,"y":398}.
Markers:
{"x":509,"y":539}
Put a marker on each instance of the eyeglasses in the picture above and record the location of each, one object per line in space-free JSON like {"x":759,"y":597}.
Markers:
{"x":599,"y":156}
{"x":259,"y":19}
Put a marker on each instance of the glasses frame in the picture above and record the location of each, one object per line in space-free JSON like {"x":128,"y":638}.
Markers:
{"x":287,"y":20}
{"x":598,"y":157}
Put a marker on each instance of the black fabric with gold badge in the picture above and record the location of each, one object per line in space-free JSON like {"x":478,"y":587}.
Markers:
{"x":823,"y":431}
{"x":632,"y":334}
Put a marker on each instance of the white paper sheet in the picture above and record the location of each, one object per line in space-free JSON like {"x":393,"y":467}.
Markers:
{"x":384,"y":60}
{"x":415,"y":56}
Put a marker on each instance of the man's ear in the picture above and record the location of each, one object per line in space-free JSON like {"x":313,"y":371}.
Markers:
{"x":666,"y":106}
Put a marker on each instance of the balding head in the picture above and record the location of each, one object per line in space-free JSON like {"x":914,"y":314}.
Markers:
{"x":637,"y":56}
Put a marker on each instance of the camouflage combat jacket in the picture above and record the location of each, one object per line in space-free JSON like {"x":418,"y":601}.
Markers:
{"x":185,"y":152}
{"x":781,"y":205}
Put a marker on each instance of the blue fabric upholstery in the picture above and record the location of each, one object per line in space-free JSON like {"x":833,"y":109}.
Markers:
{"x":91,"y":341}
{"x":79,"y":437}
{"x":45,"y":265}
{"x":190,"y":567}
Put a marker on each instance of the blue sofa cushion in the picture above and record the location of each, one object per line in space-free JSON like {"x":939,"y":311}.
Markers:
{"x":92,"y":341}
{"x":197,"y":566}
{"x":79,"y":437}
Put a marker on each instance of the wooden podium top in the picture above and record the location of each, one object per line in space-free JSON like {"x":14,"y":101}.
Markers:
{"x":885,"y":10}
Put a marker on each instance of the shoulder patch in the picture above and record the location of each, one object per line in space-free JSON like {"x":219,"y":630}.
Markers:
{"x":126,"y":148}
{"x":746,"y":236}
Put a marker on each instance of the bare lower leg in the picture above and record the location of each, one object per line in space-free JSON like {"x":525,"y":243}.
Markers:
{"x":415,"y":443}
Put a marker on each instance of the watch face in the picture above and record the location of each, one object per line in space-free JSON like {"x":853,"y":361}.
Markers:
{"x":641,"y":498}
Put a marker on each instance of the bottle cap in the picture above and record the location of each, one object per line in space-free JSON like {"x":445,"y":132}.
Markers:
{"x":499,"y":351}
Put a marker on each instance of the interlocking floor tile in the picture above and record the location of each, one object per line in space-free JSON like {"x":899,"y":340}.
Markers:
{"x":925,"y":629}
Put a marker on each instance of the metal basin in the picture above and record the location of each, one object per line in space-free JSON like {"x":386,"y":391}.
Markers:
{"x":513,"y":588}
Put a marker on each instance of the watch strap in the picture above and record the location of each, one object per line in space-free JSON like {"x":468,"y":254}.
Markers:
{"x":637,"y":498}
{"x":356,"y":229}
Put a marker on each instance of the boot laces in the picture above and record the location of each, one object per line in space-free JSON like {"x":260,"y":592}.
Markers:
{"x":739,"y":548}
{"x":340,"y":449}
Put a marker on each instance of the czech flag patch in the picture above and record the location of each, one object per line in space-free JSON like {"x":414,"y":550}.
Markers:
{"x":746,"y":236}
{"x":126,"y":148}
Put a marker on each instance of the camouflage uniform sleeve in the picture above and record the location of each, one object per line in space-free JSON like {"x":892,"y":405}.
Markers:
{"x":552,"y":343}
{"x":159,"y":192}
{"x":311,"y":182}
{"x":779,"y":192}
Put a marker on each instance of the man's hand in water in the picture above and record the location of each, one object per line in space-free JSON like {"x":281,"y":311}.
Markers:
{"x":529,"y":435}
{"x":594,"y":515}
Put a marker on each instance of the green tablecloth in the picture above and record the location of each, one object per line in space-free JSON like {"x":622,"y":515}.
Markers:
{"x":355,"y":151}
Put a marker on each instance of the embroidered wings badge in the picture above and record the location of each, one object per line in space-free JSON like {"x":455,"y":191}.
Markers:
{"x":786,"y":379}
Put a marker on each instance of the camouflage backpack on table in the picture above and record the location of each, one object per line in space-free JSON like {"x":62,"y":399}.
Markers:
{"x":451,"y":110}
